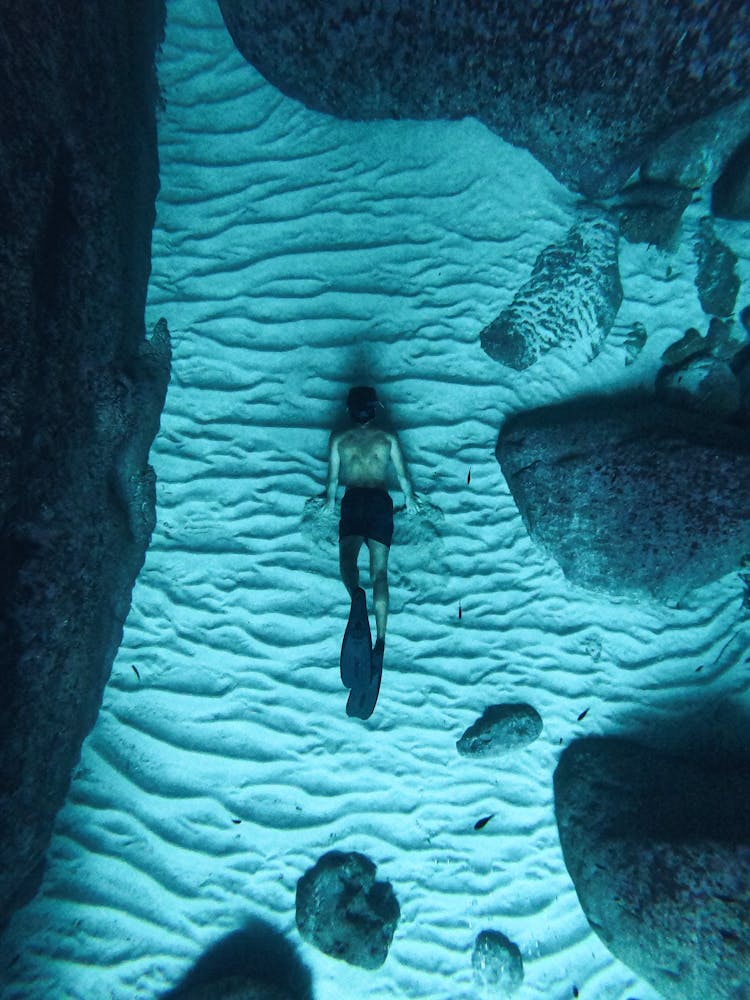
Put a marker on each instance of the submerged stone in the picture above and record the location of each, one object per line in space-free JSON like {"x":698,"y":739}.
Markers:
{"x":631,"y":496}
{"x":716,"y":280}
{"x":658,"y":848}
{"x":571,"y":299}
{"x":585,"y":86}
{"x":500,"y":730}
{"x":731,"y":194}
{"x":81,"y":387}
{"x":497,"y":964}
{"x":344,"y":912}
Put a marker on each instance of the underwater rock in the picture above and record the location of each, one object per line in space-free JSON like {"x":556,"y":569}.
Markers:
{"x":500,"y":730}
{"x":344,"y":912}
{"x":81,"y":388}
{"x":702,"y":383}
{"x":497,"y":964}
{"x":650,"y":212}
{"x":630,"y":496}
{"x":253,"y":963}
{"x":571,"y":298}
{"x":634,"y":341}
{"x":658,"y":848}
{"x":716,"y":280}
{"x":584,"y":86}
{"x":689,"y":344}
{"x":698,"y":153}
{"x":730,"y":198}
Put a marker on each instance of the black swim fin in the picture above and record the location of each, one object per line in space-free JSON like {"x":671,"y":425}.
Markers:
{"x":363,"y":698}
{"x":356,"y":648}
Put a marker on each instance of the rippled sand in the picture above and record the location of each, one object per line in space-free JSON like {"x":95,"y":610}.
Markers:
{"x":294,"y":255}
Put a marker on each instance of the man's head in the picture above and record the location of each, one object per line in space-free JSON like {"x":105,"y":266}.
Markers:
{"x":362,"y":404}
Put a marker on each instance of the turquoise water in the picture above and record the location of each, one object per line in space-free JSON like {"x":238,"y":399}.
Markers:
{"x":295,"y":255}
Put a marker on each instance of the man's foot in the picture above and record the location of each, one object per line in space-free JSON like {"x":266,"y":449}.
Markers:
{"x":376,"y":660}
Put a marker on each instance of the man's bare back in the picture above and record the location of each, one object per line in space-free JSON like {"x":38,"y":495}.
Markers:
{"x":360,"y":456}
{"x":364,"y":454}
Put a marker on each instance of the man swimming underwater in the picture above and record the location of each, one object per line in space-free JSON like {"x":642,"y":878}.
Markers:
{"x":360,"y":458}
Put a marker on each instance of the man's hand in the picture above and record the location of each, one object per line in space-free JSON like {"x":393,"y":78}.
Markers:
{"x":412,"y":503}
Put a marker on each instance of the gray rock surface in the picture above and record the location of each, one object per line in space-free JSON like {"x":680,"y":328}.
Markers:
{"x":81,"y":388}
{"x":716,"y":280}
{"x":703,"y":383}
{"x":650,"y":212}
{"x":497,"y":964}
{"x":589,"y":87}
{"x":344,"y":912}
{"x":731,"y":193}
{"x":500,"y":729}
{"x":571,"y":298}
{"x":630,"y":496}
{"x":698,"y":153}
{"x":658,"y":849}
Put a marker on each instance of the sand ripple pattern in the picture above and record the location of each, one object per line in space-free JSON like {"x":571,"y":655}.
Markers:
{"x":294,"y":255}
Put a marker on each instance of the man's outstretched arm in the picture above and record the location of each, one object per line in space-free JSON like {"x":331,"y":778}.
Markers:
{"x":410,"y":497}
{"x":334,"y":463}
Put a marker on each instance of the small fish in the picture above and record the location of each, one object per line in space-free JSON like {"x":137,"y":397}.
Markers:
{"x":483,"y":822}
{"x":135,"y":670}
{"x":698,"y":669}
{"x":583,"y":715}
{"x":575,"y":991}
{"x":460,"y":612}
{"x":468,"y":479}
{"x":236,"y":820}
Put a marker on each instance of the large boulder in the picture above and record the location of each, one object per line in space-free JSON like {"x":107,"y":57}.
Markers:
{"x":630,"y":496}
{"x":81,"y":387}
{"x":658,"y":849}
{"x":588,"y":87}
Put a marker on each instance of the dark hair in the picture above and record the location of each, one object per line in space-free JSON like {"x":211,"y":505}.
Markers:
{"x":362,"y":403}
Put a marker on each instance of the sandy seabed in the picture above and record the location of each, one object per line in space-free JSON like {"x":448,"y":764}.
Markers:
{"x":293,"y":256}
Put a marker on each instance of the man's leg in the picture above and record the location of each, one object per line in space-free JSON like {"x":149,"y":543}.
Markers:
{"x":349,"y":547}
{"x":379,"y":578}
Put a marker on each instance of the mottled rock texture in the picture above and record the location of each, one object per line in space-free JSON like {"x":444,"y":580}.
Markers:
{"x":497,"y":964}
{"x":589,"y":87}
{"x":716,"y":278}
{"x":571,"y":299}
{"x":658,"y":849}
{"x":81,"y":388}
{"x":344,"y":912}
{"x":630,"y":496}
{"x":499,"y":730}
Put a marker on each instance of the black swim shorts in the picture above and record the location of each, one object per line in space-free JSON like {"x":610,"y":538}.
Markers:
{"x":367,"y":511}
